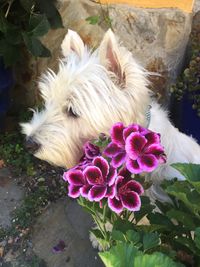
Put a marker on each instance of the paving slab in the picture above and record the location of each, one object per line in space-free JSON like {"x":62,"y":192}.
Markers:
{"x":65,"y":220}
{"x":10,"y":196}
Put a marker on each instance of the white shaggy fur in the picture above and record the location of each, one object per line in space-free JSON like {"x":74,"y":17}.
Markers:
{"x":100,"y":88}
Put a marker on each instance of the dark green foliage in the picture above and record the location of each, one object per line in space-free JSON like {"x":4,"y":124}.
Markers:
{"x":189,"y":82}
{"x":22,"y":23}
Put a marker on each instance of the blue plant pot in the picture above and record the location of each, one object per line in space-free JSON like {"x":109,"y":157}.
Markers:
{"x":6,"y":81}
{"x":185,"y":118}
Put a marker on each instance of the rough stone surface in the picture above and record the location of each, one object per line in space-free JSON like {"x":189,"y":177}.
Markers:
{"x":152,"y":35}
{"x":65,"y":220}
{"x":10,"y":197}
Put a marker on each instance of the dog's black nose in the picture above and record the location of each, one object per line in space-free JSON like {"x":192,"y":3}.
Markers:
{"x":31,"y":145}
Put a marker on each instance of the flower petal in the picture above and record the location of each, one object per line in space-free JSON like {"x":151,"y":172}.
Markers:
{"x":73,"y":191}
{"x":152,"y":138}
{"x":118,"y":160}
{"x":130,"y":129}
{"x":112,"y":150}
{"x":111,"y":191}
{"x":93,"y":175}
{"x":148,"y":162}
{"x":115,"y":205}
{"x":134,"y":145}
{"x":131,"y":201}
{"x":133,"y":166}
{"x":125,"y":173}
{"x":133,"y":185}
{"x":116,"y":133}
{"x":91,"y":150}
{"x":84,"y":190}
{"x":111,"y":176}
{"x":75,"y":177}
{"x":96,"y":193}
{"x":102,"y":164}
{"x":156,"y":149}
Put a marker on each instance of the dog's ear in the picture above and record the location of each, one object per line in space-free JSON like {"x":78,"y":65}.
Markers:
{"x":109,"y":53}
{"x":72,"y":42}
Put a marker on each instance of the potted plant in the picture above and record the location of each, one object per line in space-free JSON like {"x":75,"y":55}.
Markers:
{"x":186,"y":92}
{"x":22,"y":23}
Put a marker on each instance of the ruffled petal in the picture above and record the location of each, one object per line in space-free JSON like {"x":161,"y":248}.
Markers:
{"x":111,"y":191}
{"x":102,"y":164}
{"x":134,"y":145}
{"x":131,"y":201}
{"x":112,"y":150}
{"x":84,"y":190}
{"x":152,"y":138}
{"x":133,"y":185}
{"x":116,"y":133}
{"x":93,"y":175}
{"x":73,"y":191}
{"x":91,"y":150}
{"x":118,"y":160}
{"x":148,"y":162}
{"x":115,"y":205}
{"x":75,"y":177}
{"x":96,"y":193}
{"x":130,"y":129}
{"x":156,"y":149}
{"x":125,"y":173}
{"x":111,"y":176}
{"x":133,"y":166}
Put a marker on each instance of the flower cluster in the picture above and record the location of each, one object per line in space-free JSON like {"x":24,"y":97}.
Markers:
{"x":132,"y":150}
{"x":137,"y":147}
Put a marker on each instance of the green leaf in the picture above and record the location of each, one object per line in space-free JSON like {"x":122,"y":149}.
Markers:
{"x":118,"y":235}
{"x":156,"y":259}
{"x":121,"y":255}
{"x":93,"y":19}
{"x":35,"y":46}
{"x":150,"y":240}
{"x":28,"y":5}
{"x":133,"y":236}
{"x":122,"y":225}
{"x":189,"y":170}
{"x":159,"y":219}
{"x":48,"y":7}
{"x":13,"y":35}
{"x":183,"y":191}
{"x":182,"y":217}
{"x":38,"y":25}
{"x":197,"y":237}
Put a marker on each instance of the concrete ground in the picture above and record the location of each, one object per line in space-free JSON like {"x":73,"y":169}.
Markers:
{"x":63,"y":220}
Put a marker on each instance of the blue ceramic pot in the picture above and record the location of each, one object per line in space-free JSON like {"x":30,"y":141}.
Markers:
{"x":6,"y":81}
{"x":185,"y":118}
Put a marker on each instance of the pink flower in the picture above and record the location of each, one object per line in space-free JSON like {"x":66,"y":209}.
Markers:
{"x":137,"y":147}
{"x":127,"y":195}
{"x":95,"y":182}
{"x":101,"y":178}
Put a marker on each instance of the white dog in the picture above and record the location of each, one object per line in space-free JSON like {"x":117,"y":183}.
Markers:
{"x":92,"y":91}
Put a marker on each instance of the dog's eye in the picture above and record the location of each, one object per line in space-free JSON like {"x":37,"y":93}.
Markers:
{"x":71,"y":113}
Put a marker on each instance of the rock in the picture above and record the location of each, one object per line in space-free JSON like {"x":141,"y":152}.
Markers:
{"x":65,"y":220}
{"x":150,"y":34}
{"x":10,"y":197}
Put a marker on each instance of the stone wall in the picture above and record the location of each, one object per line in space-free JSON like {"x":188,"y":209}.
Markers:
{"x":156,"y":37}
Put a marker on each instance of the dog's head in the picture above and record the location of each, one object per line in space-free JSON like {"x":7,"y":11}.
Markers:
{"x":90,"y":92}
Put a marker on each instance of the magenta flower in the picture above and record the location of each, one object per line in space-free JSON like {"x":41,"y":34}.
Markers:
{"x":77,"y":183}
{"x":91,"y":151}
{"x":95,"y":182}
{"x":135,"y":146}
{"x":127,"y":194}
{"x":101,"y":178}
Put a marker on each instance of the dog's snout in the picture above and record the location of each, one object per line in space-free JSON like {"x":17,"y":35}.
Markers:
{"x":31,"y":145}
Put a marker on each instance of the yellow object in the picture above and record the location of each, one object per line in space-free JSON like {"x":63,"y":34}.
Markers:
{"x":185,"y":5}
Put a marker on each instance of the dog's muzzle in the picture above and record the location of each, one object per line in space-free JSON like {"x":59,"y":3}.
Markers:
{"x":31,"y":145}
